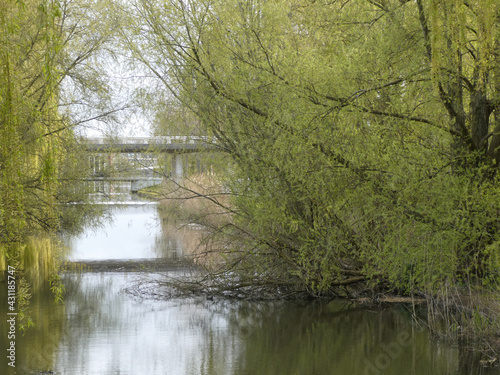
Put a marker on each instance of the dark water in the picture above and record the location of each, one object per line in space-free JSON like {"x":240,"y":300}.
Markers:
{"x":101,"y":329}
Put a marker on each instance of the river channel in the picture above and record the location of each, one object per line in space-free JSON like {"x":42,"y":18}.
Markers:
{"x":101,"y":329}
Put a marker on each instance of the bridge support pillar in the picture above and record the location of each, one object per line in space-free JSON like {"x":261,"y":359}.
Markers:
{"x":177,"y":166}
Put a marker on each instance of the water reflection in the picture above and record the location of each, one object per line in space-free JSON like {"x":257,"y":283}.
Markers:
{"x":37,"y":348}
{"x":115,"y":333}
{"x":100,"y":329}
{"x":134,"y":233}
{"x":329,"y":340}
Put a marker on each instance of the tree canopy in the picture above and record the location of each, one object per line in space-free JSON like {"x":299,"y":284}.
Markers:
{"x":42,"y":51}
{"x":365,"y":134}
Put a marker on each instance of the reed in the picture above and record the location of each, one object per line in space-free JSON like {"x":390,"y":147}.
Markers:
{"x":469,"y":315}
{"x":201,"y":204}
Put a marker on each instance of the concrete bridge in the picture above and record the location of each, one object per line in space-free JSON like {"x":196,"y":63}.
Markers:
{"x":177,"y":146}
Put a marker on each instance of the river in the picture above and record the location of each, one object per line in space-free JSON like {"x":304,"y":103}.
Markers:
{"x":102,"y":329}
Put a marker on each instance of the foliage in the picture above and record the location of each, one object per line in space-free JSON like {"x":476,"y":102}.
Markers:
{"x":365,"y":134}
{"x":41,"y":166}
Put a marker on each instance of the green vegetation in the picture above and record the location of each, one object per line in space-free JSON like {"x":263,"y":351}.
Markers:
{"x":364,"y":135}
{"x":41,"y":50}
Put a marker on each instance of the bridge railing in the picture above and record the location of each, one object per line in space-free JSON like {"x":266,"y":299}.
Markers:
{"x":182,"y":139}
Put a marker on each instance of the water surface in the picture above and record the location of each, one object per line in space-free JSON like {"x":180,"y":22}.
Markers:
{"x":101,"y":329}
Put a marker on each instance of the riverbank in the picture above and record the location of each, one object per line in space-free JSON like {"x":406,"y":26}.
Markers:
{"x":114,"y":306}
{"x":468,"y":315}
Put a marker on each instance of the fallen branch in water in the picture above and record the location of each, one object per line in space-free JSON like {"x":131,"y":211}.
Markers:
{"x":390,"y":299}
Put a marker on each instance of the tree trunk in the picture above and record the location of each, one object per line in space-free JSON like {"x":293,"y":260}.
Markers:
{"x":480,"y":115}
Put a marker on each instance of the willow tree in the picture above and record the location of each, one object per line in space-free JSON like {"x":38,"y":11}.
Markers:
{"x":365,"y":133}
{"x":50,"y":60}
{"x":462,"y":44}
{"x":41,"y":46}
{"x":28,"y":113}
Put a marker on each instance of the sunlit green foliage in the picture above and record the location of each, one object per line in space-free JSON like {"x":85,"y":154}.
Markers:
{"x":30,"y":155}
{"x":40,"y":165}
{"x":365,"y":134}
